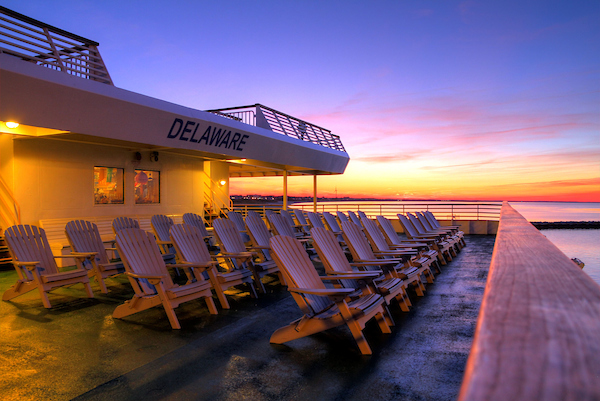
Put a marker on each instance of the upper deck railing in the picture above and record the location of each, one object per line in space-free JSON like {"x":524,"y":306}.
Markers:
{"x":276,"y":121}
{"x":51,"y":47}
{"x":537,"y":332}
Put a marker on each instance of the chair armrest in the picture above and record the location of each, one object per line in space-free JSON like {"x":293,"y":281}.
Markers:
{"x":161,"y":242}
{"x":146,"y":276}
{"x":78,"y":255}
{"x":237,"y":255}
{"x":323,"y":291}
{"x":111,"y":249}
{"x":351,"y":275}
{"x":258,"y":247}
{"x":184,"y":265}
{"x":29,"y":265}
{"x":377,"y":262}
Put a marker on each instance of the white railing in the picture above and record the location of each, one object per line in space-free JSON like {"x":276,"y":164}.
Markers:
{"x":277,"y":121}
{"x":449,"y":211}
{"x":51,"y":47}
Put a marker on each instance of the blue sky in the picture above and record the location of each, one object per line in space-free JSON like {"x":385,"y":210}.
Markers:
{"x":432,"y":99}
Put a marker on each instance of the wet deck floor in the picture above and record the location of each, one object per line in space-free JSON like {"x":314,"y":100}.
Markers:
{"x":77,"y":350}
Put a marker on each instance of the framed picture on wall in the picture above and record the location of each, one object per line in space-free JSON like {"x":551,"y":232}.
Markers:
{"x":108,"y":186}
{"x":147,"y":187}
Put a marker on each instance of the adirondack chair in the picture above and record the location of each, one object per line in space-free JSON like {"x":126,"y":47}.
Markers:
{"x":341,"y":217}
{"x":362,"y":215}
{"x":120,"y":223}
{"x":84,"y":237}
{"x":315,"y":220}
{"x":36,"y":267}
{"x":233,"y":247}
{"x":238,"y":220}
{"x":260,"y":236}
{"x":354,"y":219}
{"x":381,"y":248}
{"x":301,"y":220}
{"x":147,"y":272}
{"x":298,"y":230}
{"x":193,"y":219}
{"x":393,"y":267}
{"x":442,"y":247}
{"x":323,"y":308}
{"x":335,"y":262}
{"x":430,"y":223}
{"x":441,"y":234}
{"x":394,"y":241}
{"x":191,"y":249}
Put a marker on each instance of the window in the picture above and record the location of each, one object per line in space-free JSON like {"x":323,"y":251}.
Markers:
{"x":108,"y":185}
{"x":147,"y":187}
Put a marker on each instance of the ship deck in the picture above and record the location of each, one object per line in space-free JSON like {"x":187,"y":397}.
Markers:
{"x":77,"y":350}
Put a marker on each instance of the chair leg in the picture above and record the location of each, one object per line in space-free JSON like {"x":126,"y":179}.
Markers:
{"x":211,"y":306}
{"x":88,"y":288}
{"x":385,"y":320}
{"x":45,"y":299}
{"x":19,"y":288}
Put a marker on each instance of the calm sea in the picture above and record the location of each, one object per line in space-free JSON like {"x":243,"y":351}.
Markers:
{"x":581,"y":244}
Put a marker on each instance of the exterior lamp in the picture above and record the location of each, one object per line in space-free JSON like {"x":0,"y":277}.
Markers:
{"x":222,"y":182}
{"x":12,"y":124}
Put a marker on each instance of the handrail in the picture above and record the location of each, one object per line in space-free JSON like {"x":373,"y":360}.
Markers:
{"x":10,"y":212}
{"x":450,"y":211}
{"x":265,"y":117}
{"x":51,"y":47}
{"x":537,"y":332}
{"x":221,"y":197}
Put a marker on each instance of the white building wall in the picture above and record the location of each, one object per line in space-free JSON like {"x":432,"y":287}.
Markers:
{"x":55,"y":179}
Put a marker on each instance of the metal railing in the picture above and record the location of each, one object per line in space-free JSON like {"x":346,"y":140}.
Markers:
{"x":277,"y":121}
{"x":51,"y":47}
{"x":449,"y":211}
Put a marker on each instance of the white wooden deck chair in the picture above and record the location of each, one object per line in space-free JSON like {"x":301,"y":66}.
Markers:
{"x":253,"y":213}
{"x":341,"y":217}
{"x":411,"y":232}
{"x":190,"y":247}
{"x":301,"y":221}
{"x":36,"y":267}
{"x":335,"y":262}
{"x":233,"y":247}
{"x":151,"y":281}
{"x":430,"y":223}
{"x":441,"y":235}
{"x":297,"y":228}
{"x":120,"y":223}
{"x":323,"y":308}
{"x":394,"y":241}
{"x":84,"y":237}
{"x":362,"y":215}
{"x":260,"y":236}
{"x":381,"y":248}
{"x":238,"y":220}
{"x":193,"y":219}
{"x":393,"y":267}
{"x":315,"y":220}
{"x":331,"y":223}
{"x":354,"y":219}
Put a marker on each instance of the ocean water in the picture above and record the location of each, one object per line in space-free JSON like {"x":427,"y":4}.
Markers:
{"x":558,"y":211}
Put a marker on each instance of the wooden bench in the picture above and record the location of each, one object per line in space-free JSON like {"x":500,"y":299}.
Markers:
{"x":537,"y":335}
{"x":55,"y":231}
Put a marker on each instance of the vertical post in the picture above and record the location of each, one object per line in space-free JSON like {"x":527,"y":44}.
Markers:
{"x":285,"y":190}
{"x":315,"y":193}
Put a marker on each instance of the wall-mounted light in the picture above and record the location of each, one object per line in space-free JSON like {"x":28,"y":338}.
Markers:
{"x":154,"y":156}
{"x":11,"y":124}
{"x":242,"y":160}
{"x":222,"y":182}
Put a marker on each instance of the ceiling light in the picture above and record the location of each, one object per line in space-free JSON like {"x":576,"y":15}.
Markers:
{"x":12,"y":124}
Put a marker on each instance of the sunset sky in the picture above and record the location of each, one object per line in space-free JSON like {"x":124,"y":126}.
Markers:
{"x":482,"y":100}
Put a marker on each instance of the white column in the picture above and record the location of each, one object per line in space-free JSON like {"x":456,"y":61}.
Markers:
{"x":315,"y":193}
{"x":285,"y":190}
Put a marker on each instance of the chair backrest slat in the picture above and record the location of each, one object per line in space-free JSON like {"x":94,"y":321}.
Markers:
{"x":28,"y":244}
{"x":315,"y":219}
{"x":329,"y":250}
{"x":189,"y":243}
{"x":409,"y":229}
{"x":375,"y":235}
{"x":356,"y":241}
{"x":280,"y":225}
{"x":341,"y":216}
{"x":388,"y":230}
{"x":299,"y":272}
{"x":228,"y":236}
{"x":354,"y":218}
{"x":193,"y":219}
{"x":332,"y":223}
{"x":85,"y":237}
{"x":161,"y":225}
{"x":120,"y":223}
{"x":141,"y":255}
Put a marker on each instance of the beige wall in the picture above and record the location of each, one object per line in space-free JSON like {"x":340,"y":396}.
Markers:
{"x":54,"y":179}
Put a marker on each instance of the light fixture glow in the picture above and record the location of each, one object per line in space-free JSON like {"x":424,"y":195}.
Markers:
{"x":12,"y":124}
{"x":243,"y":160}
{"x":222,"y":182}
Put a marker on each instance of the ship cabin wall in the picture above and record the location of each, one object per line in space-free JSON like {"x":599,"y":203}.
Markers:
{"x":54,"y":179}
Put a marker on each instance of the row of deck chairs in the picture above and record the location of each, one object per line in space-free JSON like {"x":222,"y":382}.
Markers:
{"x":250,"y":251}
